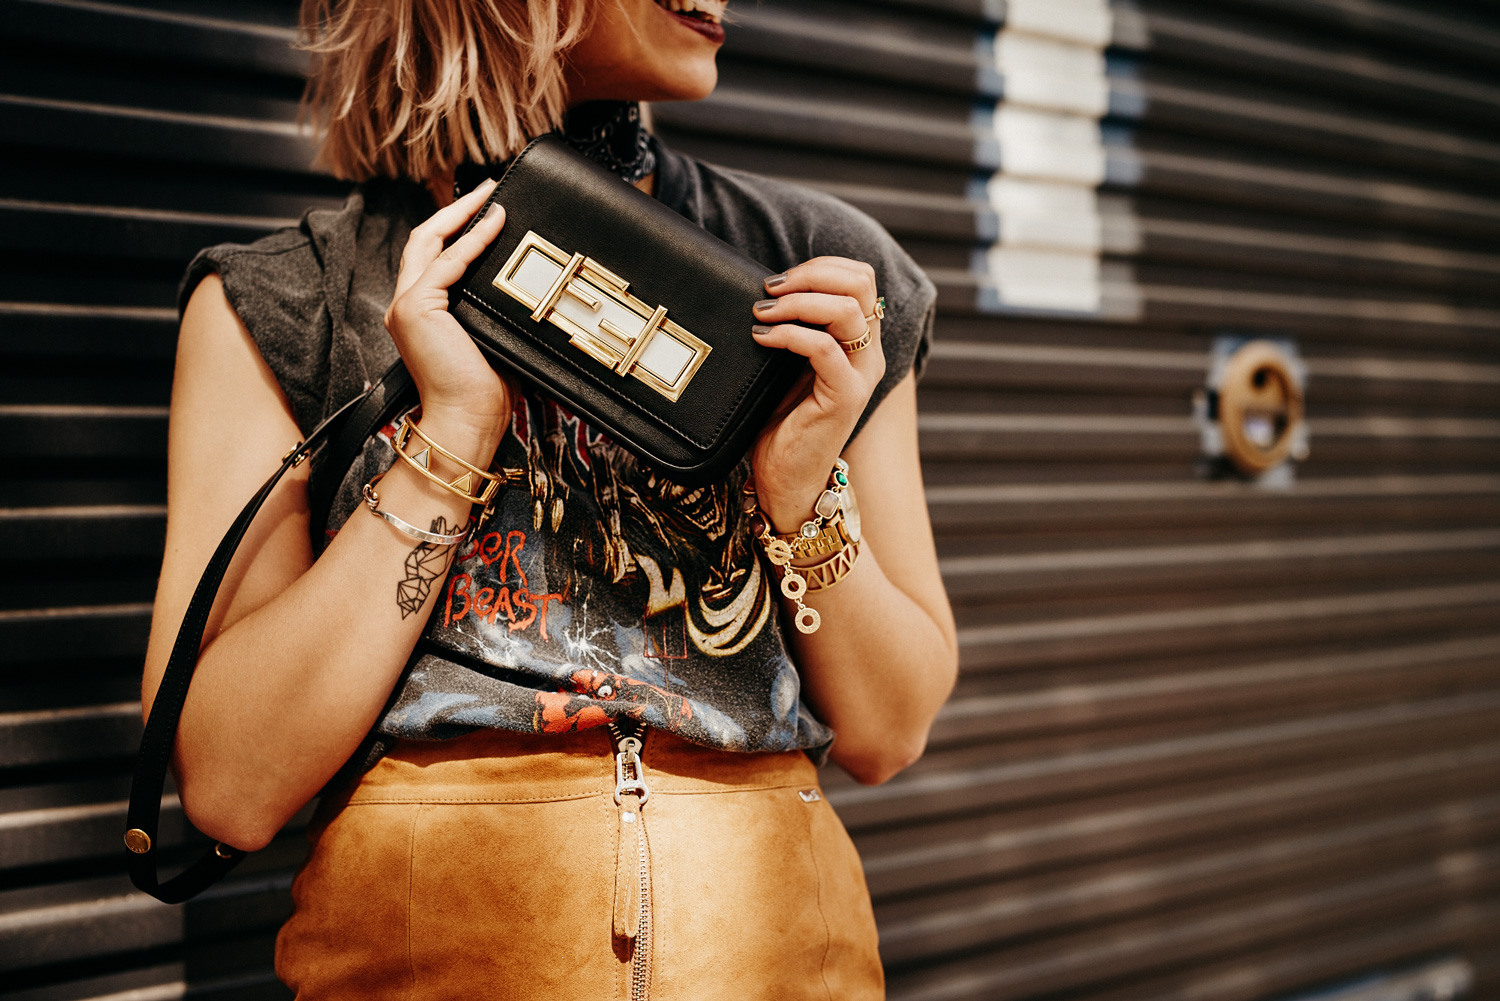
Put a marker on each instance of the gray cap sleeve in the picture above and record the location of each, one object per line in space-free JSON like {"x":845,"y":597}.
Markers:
{"x":275,"y":286}
{"x":910,"y":297}
{"x":910,"y":310}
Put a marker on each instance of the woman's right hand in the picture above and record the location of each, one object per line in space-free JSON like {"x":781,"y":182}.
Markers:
{"x":455,"y":382}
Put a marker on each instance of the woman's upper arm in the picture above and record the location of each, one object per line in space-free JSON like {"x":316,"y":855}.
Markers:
{"x":230,"y":425}
{"x":886,"y":470}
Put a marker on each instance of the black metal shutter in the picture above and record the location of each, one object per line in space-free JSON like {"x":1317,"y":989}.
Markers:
{"x":1212,"y":740}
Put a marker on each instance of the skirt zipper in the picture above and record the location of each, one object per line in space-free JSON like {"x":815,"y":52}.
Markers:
{"x":632,"y":911}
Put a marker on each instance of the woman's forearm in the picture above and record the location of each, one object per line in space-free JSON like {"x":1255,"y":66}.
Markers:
{"x":283,"y":696}
{"x":884,"y":658}
{"x":302,"y":656}
{"x":877,"y":670}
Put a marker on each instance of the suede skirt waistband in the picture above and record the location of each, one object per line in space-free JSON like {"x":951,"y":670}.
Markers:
{"x":501,"y":766}
{"x":501,"y":866}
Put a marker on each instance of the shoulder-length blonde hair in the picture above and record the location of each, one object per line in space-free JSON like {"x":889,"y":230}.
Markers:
{"x":411,"y":88}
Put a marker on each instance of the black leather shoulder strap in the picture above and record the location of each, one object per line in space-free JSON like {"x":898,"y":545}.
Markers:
{"x":155,"y":756}
{"x":392,"y":395}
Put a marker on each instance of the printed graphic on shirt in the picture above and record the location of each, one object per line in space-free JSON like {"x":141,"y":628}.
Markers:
{"x":598,"y":588}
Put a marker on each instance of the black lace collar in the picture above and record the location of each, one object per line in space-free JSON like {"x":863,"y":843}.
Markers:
{"x":609,"y":133}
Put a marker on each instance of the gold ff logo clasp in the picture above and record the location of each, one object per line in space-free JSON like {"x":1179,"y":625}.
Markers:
{"x":602,"y":319}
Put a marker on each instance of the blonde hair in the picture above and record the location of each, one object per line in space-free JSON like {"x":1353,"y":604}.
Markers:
{"x":412,"y":88}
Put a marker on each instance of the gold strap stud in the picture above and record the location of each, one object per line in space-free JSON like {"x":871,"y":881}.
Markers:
{"x":138,"y":840}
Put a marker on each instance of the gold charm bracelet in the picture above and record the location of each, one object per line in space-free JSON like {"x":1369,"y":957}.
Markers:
{"x":834,"y":528}
{"x":829,"y":501}
{"x":834,"y":536}
{"x":779,"y":552}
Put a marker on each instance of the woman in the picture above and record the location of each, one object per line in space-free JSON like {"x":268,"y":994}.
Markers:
{"x":485,"y":692}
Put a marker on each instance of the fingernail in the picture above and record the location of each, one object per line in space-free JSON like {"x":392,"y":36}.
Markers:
{"x":775,"y":280}
{"x":487,"y":183}
{"x":760,"y":328}
{"x":764,"y":304}
{"x":491,"y":212}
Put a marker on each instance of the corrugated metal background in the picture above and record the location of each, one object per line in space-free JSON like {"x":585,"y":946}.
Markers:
{"x":1212,"y":740}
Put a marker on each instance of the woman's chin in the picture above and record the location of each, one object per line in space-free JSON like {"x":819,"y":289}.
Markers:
{"x":689,"y":83}
{"x":694,"y":90}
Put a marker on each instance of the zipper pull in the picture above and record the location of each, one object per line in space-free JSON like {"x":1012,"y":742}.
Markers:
{"x":630,"y":772}
{"x":631,"y":794}
{"x":627,"y":916}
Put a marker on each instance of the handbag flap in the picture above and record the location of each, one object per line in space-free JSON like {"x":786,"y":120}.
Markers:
{"x":624,"y":310}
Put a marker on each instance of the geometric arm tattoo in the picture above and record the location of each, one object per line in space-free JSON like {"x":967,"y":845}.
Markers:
{"x":424,"y":564}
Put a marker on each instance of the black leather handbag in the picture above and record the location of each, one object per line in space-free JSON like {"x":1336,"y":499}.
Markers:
{"x":627,"y":313}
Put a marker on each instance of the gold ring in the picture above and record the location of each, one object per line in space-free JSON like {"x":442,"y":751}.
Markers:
{"x":878,"y":313}
{"x":859,"y":343}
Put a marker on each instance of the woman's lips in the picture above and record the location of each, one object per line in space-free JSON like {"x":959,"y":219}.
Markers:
{"x":713,"y":32}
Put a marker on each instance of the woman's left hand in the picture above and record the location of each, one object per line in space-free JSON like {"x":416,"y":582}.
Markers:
{"x":795,"y":453}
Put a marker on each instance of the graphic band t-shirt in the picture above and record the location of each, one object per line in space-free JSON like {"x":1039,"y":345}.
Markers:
{"x":596,"y":587}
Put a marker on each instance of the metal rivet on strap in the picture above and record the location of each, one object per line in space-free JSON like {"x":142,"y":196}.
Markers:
{"x":223,"y":851}
{"x":138,"y":841}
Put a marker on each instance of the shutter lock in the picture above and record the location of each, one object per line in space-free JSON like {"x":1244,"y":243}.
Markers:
{"x":1251,"y":412}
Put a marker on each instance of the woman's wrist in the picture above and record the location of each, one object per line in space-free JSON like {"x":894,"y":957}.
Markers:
{"x":472,"y":436}
{"x":787,"y":509}
{"x":790,"y":507}
{"x":420,"y":497}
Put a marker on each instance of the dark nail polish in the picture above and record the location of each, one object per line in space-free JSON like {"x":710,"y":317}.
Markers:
{"x":760,"y":328}
{"x":764,"y":304}
{"x":775,"y":280}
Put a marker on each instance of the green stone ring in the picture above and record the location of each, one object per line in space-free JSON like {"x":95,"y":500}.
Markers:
{"x":879,"y":311}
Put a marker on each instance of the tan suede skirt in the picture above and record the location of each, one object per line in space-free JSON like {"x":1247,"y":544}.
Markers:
{"x":500,"y":865}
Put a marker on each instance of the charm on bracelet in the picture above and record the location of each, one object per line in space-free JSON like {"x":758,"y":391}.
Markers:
{"x":829,"y":501}
{"x":835,"y":530}
{"x":779,"y":555}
